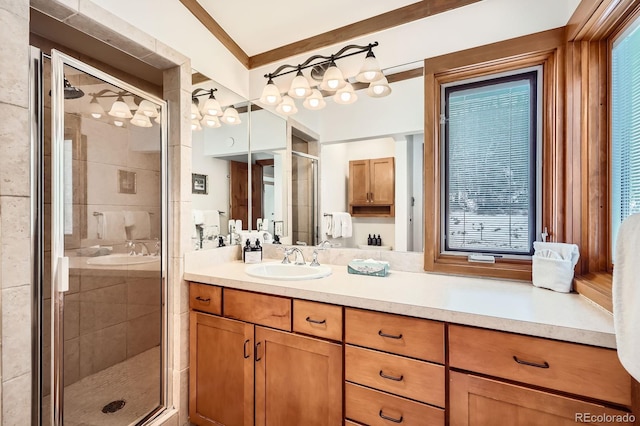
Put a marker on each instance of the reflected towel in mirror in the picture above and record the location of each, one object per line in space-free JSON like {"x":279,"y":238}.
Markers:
{"x":111,"y":226}
{"x":138,"y":223}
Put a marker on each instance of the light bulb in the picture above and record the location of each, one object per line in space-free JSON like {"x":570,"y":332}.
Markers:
{"x":314,"y":102}
{"x":231,"y":120}
{"x":370,"y":75}
{"x":300,"y":92}
{"x":345,"y":96}
{"x":118,"y":123}
{"x":271,"y":99}
{"x":333,"y":84}
{"x":378,"y":89}
{"x":287,"y":108}
{"x":96,"y":115}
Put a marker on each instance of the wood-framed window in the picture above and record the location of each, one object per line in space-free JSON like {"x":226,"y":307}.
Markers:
{"x":591,"y":33}
{"x":543,"y":50}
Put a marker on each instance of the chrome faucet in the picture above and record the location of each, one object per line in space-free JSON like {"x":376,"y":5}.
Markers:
{"x":324,"y":244}
{"x":314,"y":261}
{"x":288,"y":252}
{"x":131,"y":247}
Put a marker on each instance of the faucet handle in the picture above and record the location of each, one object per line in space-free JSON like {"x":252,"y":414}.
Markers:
{"x":314,"y":261}
{"x":131,"y":247}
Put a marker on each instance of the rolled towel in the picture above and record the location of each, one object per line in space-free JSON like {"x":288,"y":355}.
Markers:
{"x":111,"y":226}
{"x":139,"y":224}
{"x":553,"y":264}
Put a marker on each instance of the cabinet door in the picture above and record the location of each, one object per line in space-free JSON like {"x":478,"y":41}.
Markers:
{"x":221,"y":371}
{"x":298,"y":380}
{"x":359,"y":182}
{"x":478,"y":401}
{"x":382,"y":181}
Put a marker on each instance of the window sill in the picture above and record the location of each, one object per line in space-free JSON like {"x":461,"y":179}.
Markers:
{"x":596,"y":287}
{"x":503,"y":268}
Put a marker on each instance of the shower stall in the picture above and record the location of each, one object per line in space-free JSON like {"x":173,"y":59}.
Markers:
{"x":99,"y":218}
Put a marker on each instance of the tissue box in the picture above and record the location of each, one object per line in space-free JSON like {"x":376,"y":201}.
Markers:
{"x":370,"y":267}
{"x":552,"y":265}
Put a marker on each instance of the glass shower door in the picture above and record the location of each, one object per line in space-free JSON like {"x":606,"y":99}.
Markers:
{"x":105,"y":360}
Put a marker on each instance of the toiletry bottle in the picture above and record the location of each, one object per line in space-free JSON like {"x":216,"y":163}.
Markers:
{"x":220,"y":241}
{"x":378,"y":240}
{"x":257,"y":250}
{"x":369,"y":240}
{"x":246,"y":250}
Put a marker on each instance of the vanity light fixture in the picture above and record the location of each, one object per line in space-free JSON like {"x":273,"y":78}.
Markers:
{"x":326,"y":77}
{"x":210,"y":113}
{"x":121,"y":110}
{"x":230,"y":116}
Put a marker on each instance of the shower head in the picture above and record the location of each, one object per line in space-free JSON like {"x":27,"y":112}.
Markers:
{"x":71,"y":92}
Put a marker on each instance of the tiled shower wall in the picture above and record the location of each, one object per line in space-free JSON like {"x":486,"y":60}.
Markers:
{"x":15,"y":279}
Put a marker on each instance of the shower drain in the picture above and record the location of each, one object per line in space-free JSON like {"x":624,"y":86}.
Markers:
{"x":113,"y":406}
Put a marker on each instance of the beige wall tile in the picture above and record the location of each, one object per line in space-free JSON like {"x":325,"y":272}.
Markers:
{"x":102,"y":349}
{"x":14,"y":161}
{"x":143,"y":333}
{"x":180,"y":166}
{"x":15,"y":262}
{"x":17,"y":7}
{"x":180,"y":129}
{"x":184,"y":397}
{"x":71,"y":361}
{"x":143,"y":297}
{"x":16,"y":401}
{"x":14,"y":31}
{"x":103,"y":25}
{"x":184,"y":340}
{"x":71,"y":316}
{"x":59,"y":9}
{"x":16,"y":331}
{"x":102,"y":308}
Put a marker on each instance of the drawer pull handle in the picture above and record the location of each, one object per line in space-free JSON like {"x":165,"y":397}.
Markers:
{"x":391,"y":419}
{"x":200,"y":299}
{"x":531,"y":364}
{"x":316,"y":321}
{"x":391,"y":336}
{"x":246,"y":354}
{"x":395,"y":379}
{"x":258,"y":358}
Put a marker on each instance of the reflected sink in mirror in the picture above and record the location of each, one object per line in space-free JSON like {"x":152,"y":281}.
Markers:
{"x":287,"y":272}
{"x":121,"y":259}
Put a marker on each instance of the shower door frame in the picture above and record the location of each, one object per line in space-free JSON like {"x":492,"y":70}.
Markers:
{"x":59,"y":263}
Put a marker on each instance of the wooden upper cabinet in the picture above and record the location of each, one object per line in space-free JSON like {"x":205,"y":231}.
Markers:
{"x":372,"y":187}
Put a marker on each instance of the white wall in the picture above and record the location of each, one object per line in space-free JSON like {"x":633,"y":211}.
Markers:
{"x":218,"y":172}
{"x":334,"y":177}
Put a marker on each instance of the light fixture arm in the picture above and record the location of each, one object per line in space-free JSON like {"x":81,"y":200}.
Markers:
{"x":203,"y":92}
{"x":342,"y":53}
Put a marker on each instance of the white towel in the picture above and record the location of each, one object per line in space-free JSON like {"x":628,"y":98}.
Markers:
{"x":327,"y":222}
{"x":626,"y":295}
{"x":111,"y":226}
{"x":336,"y":224}
{"x":211,"y":223}
{"x":198,"y":217}
{"x":347,"y":226}
{"x":139,"y":224}
{"x":341,"y":225}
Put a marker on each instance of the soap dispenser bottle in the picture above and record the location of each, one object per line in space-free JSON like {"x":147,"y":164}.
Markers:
{"x":246,"y":250}
{"x":378,"y":240}
{"x":369,"y":240}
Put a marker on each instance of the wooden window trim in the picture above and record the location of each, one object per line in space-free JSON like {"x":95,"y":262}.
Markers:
{"x":591,"y":32}
{"x":545,"y":49}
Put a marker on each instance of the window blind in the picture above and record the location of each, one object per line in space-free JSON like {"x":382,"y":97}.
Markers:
{"x":490,"y":162}
{"x":625,"y":128}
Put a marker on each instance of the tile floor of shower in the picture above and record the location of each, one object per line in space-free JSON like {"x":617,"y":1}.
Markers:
{"x":135,"y":381}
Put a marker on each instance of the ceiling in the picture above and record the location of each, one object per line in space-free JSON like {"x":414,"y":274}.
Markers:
{"x":272,"y":24}
{"x":258,"y":32}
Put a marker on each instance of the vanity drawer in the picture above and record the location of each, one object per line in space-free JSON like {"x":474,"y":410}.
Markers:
{"x":569,"y":367}
{"x":402,"y":376}
{"x":377,"y":408}
{"x":414,"y":337}
{"x":317,"y":319}
{"x":261,"y":309}
{"x":205,"y":298}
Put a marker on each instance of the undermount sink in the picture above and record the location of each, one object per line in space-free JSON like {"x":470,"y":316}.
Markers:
{"x":288,"y":272}
{"x":121,"y":259}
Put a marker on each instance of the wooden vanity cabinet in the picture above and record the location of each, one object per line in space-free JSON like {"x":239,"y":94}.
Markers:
{"x":393,"y":369}
{"x":372,"y":187}
{"x":586,"y":373}
{"x":243,"y":371}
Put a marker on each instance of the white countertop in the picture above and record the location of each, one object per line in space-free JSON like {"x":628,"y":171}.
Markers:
{"x":495,"y":304}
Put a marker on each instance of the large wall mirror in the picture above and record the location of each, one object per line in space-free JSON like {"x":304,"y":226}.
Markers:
{"x":292,"y":173}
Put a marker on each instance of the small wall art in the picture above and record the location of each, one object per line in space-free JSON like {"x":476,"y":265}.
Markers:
{"x":126,"y":182}
{"x":199,"y":184}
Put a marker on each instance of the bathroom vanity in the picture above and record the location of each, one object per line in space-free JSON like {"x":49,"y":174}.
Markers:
{"x":411,"y":348}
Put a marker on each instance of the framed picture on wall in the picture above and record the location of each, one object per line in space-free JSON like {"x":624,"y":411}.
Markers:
{"x":126,"y":182}
{"x":199,"y":184}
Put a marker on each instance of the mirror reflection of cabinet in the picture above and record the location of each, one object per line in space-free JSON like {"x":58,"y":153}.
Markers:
{"x":372,"y":187}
